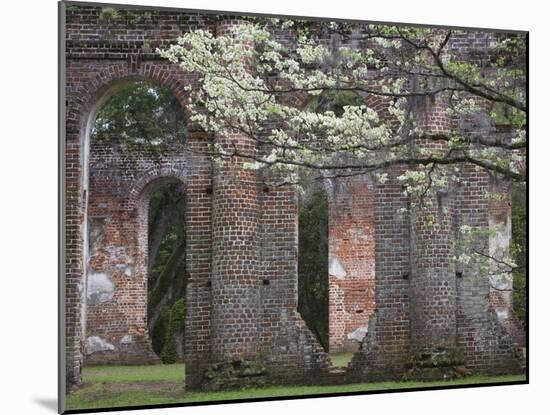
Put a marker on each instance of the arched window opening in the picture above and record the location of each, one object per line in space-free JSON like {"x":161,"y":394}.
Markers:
{"x":141,"y":112}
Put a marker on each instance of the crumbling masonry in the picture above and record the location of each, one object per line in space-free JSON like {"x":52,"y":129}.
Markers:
{"x":397,"y":298}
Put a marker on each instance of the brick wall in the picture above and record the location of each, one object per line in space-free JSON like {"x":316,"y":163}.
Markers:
{"x":100,"y":56}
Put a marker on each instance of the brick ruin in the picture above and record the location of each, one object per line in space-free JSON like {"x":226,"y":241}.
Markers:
{"x":396,"y":297}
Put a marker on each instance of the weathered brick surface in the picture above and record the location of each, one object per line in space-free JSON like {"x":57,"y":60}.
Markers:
{"x":433,"y":287}
{"x":500,"y":223}
{"x":482,"y":339}
{"x":386,"y":348}
{"x":351,"y":261}
{"x":241,"y":252}
{"x":235,"y":259}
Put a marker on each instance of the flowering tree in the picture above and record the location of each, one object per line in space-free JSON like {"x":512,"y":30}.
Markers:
{"x":246,"y":80}
{"x":258,"y":80}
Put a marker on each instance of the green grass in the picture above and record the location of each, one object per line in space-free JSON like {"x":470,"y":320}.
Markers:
{"x":341,"y":359}
{"x":112,"y":386}
{"x":121,"y":374}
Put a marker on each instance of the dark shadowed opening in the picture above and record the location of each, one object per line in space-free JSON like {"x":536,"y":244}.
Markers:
{"x":166,"y":279}
{"x":313,"y":260}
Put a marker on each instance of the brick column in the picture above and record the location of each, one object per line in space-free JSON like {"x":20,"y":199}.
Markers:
{"x":433,"y":285}
{"x":485,"y":341}
{"x":500,"y":241}
{"x":235,"y":257}
{"x":235,"y":247}
{"x":433,"y":275}
{"x":198,"y":262}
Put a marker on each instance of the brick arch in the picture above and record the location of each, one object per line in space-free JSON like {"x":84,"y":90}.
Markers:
{"x":139,"y":198}
{"x":93,"y":93}
{"x":151,"y":180}
{"x":118,"y":210}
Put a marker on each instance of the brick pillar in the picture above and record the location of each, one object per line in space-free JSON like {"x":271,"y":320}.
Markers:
{"x":500,"y":221}
{"x":235,"y":247}
{"x":486,"y":344}
{"x":198,"y":263}
{"x":433,"y":285}
{"x":74,"y":264}
{"x":235,"y":257}
{"x":385,"y":350}
{"x":433,"y":275}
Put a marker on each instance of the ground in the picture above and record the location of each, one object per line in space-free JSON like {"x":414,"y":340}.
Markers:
{"x":112,"y":386}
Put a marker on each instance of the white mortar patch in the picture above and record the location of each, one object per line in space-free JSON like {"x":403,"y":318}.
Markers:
{"x":100,"y":288}
{"x":502,"y":313}
{"x":335,"y":268}
{"x":127,"y":339}
{"x":358,"y":334}
{"x":129,"y":271}
{"x":97,"y":344}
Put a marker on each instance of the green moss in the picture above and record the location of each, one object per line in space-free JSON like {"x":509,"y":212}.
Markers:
{"x":173,"y":317}
{"x":236,"y":373}
{"x":108,"y":14}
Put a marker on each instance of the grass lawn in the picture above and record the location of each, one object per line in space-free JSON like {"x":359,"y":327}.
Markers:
{"x":111,"y":386}
{"x":340,"y":359}
{"x":122,"y":374}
